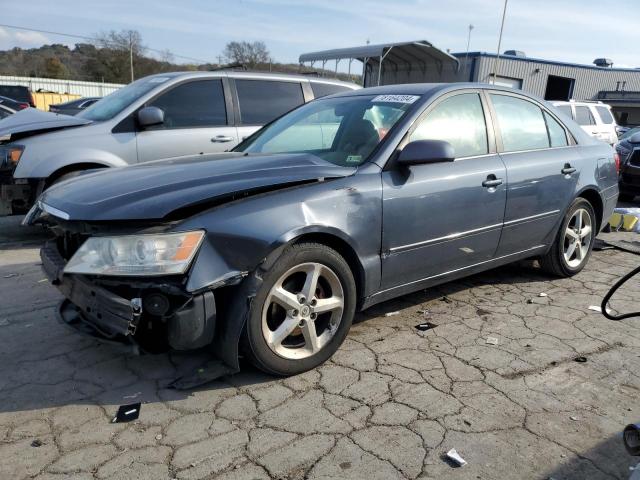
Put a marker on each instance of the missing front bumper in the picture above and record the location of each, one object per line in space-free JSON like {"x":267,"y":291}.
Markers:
{"x":101,"y":313}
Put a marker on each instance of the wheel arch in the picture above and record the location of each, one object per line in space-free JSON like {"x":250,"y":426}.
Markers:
{"x":591,"y":195}
{"x":72,"y":167}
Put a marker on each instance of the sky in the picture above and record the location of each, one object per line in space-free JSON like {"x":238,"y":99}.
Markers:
{"x":567,"y":30}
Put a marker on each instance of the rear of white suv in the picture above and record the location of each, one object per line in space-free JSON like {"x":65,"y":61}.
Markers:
{"x":595,"y":118}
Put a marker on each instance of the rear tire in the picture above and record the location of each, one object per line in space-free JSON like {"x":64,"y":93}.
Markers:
{"x":297,"y":323}
{"x":573,"y":243}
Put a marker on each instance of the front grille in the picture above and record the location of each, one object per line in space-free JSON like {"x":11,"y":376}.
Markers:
{"x":634,"y":158}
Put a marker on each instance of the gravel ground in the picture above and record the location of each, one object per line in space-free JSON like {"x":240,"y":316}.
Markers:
{"x":389,"y":404}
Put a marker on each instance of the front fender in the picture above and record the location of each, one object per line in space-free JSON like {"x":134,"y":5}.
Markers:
{"x":49,"y":162}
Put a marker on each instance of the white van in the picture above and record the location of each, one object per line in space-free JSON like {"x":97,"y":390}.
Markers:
{"x":595,"y":118}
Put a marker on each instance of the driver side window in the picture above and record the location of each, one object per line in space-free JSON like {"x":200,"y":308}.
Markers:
{"x":458,"y":120}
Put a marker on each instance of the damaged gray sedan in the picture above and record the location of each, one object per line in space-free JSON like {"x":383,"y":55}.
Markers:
{"x":269,"y":250}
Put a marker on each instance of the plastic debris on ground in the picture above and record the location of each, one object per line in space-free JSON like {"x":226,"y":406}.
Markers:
{"x":595,"y":308}
{"x":127,"y":413}
{"x":625,"y":219}
{"x":391,"y":314}
{"x":455,"y":457}
{"x":11,"y":275}
{"x":492,"y":340}
{"x":36,"y":443}
{"x":580,"y":359}
{"x":425,"y":326}
{"x":575,"y":419}
{"x":542,"y":294}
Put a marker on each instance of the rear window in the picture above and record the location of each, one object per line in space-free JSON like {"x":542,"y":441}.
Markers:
{"x":605,"y":115}
{"x":324,"y":89}
{"x":15,"y":92}
{"x":262,"y":100}
{"x":584,"y":117}
{"x":565,"y":110}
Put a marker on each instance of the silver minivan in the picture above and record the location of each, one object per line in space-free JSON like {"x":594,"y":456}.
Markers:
{"x":160,"y":116}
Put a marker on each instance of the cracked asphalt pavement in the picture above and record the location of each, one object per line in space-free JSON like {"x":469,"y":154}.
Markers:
{"x":390,"y":403}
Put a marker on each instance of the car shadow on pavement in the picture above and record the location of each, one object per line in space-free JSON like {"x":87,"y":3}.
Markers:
{"x":609,"y":458}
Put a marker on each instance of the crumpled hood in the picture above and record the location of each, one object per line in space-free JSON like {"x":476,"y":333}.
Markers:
{"x":153,"y":190}
{"x":32,"y":120}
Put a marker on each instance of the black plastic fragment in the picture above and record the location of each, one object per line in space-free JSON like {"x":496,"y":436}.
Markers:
{"x":580,"y":359}
{"x":425,"y":326}
{"x":127,"y":413}
{"x":36,"y":443}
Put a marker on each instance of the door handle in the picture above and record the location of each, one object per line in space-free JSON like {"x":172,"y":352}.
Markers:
{"x":221,"y":139}
{"x":492,"y":181}
{"x":568,"y":169}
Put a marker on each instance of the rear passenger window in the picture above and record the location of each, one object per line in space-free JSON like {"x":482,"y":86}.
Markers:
{"x":261,"y":100}
{"x":584,"y":117}
{"x":521,"y":123}
{"x":324,"y":89}
{"x":458,"y":120}
{"x":557,"y":134}
{"x":605,"y":115}
{"x":193,"y":104}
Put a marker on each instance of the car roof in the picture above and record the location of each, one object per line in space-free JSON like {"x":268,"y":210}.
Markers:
{"x":254,"y":75}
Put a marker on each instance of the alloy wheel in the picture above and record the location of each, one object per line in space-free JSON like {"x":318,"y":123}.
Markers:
{"x":577,"y":238}
{"x":302,"y":311}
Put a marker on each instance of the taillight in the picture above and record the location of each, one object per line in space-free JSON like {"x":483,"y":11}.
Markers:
{"x":22,"y":106}
{"x":616,"y":158}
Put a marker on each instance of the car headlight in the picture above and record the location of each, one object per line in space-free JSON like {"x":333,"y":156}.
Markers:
{"x":136,"y":255}
{"x":10,"y":156}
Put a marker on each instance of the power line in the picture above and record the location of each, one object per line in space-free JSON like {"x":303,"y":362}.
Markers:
{"x":95,"y":39}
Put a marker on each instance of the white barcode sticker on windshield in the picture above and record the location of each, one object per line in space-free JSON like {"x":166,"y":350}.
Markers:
{"x":396,"y":98}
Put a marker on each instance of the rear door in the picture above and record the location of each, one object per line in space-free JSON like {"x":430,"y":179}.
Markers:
{"x":542,"y":170}
{"x":196,"y":121}
{"x":259,"y":101}
{"x":586,"y":120}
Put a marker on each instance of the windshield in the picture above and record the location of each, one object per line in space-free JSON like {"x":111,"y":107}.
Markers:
{"x":343,"y":130}
{"x":111,"y":105}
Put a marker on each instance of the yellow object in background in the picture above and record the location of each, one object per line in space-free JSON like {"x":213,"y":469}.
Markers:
{"x":44,"y":99}
{"x":625,"y":222}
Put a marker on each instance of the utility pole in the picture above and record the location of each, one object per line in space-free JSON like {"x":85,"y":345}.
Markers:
{"x":466,"y":57}
{"x":497,"y":59}
{"x":131,"y":53}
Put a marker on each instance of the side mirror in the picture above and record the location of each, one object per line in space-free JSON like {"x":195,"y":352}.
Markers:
{"x":149,"y":116}
{"x":426,"y":151}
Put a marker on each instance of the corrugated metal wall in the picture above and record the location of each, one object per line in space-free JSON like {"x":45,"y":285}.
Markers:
{"x":74,"y":87}
{"x":588,"y":81}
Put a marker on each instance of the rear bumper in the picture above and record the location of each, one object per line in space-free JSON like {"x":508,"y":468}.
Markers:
{"x":111,"y":316}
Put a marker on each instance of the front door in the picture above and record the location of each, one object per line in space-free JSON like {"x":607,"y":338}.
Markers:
{"x":542,"y":168}
{"x":443,"y":217}
{"x":195,"y":122}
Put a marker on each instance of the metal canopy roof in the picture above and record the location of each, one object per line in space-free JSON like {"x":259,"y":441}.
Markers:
{"x":403,"y":52}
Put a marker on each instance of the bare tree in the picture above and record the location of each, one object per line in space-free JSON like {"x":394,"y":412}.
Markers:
{"x":248,"y":53}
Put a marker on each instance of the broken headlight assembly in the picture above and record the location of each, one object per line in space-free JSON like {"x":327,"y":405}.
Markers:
{"x":10,"y":156}
{"x":136,"y":255}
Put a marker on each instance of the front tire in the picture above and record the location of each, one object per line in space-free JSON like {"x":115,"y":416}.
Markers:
{"x":302,"y":312}
{"x":572,"y":246}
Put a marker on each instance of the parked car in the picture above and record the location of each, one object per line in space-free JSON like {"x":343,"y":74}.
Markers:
{"x":13,"y":104}
{"x":595,"y":118}
{"x":628,"y":149}
{"x":18,"y":93}
{"x":160,"y":116}
{"x":338,"y":205}
{"x":73,"y":107}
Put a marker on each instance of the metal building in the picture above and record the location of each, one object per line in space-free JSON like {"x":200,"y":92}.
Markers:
{"x":420,"y":61}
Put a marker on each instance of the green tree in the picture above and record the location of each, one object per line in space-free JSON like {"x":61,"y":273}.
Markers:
{"x":54,"y":68}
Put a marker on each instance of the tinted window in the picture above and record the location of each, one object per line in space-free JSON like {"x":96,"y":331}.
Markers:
{"x":584,"y":117}
{"x":521,"y":123}
{"x":16,"y":92}
{"x":324,"y":89}
{"x":458,"y":120}
{"x":261,"y":101}
{"x":566,"y":110}
{"x":4,"y":113}
{"x":557,"y":135}
{"x":605,"y":115}
{"x":193,"y":104}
